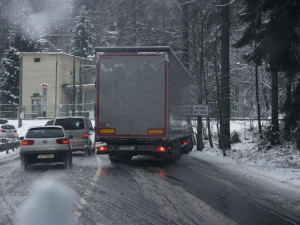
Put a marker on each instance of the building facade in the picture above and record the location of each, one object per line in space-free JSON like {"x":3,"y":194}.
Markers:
{"x":47,"y":85}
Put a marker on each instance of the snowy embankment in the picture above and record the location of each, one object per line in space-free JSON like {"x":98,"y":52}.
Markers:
{"x":280,"y":164}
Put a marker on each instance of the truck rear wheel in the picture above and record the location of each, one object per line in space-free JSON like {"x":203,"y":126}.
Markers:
{"x":126,"y":158}
{"x":114,"y":159}
{"x":178,"y":149}
{"x":173,"y":157}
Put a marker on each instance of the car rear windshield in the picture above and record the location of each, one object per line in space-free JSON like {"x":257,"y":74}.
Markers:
{"x":8,"y":127}
{"x":45,"y":133}
{"x":70,"y":123}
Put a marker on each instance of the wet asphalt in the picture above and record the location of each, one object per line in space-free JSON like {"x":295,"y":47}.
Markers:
{"x":149,"y":191}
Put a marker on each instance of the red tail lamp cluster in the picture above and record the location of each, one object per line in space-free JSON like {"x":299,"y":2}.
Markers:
{"x":161,"y":149}
{"x":62,"y":141}
{"x":102,"y":148}
{"x":86,"y":135}
{"x":27,"y":142}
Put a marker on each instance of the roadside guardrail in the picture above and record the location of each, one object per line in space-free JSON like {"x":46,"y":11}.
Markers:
{"x":8,"y":143}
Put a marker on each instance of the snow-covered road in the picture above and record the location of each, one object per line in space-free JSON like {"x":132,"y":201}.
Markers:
{"x":147,"y":191}
{"x":201,"y":188}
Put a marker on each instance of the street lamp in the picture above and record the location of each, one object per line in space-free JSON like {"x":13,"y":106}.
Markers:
{"x":44,"y":42}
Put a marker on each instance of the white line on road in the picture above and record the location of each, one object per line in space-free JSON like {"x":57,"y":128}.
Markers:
{"x":84,"y":199}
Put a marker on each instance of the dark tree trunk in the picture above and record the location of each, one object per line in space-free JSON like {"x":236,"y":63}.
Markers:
{"x":218,"y":99}
{"x":274,"y":139}
{"x":200,"y":144}
{"x":208,"y":118}
{"x":185,"y":33}
{"x":288,"y":120}
{"x":225,"y":76}
{"x":257,"y":99}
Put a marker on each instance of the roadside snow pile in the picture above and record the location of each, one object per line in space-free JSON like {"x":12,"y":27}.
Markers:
{"x":248,"y":151}
{"x":280,"y":163}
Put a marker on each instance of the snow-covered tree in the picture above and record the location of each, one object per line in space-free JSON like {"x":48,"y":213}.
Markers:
{"x":10,"y":73}
{"x":82,"y":36}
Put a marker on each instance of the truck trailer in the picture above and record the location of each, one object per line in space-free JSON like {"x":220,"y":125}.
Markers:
{"x":143,"y":99}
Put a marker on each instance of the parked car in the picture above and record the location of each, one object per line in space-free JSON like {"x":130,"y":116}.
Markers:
{"x":49,"y":123}
{"x":8,"y":131}
{"x":3,"y":121}
{"x":80,"y":132}
{"x":45,"y":144}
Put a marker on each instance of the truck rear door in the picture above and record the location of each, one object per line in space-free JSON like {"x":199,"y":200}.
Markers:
{"x":132,"y":95}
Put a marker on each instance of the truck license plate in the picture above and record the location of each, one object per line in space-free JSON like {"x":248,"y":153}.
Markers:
{"x":126,"y":148}
{"x":48,"y":156}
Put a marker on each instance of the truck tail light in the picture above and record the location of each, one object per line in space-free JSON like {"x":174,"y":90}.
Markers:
{"x":86,"y":135}
{"x":161,"y":149}
{"x":185,"y":143}
{"x":102,"y":148}
{"x":62,"y":141}
{"x":3,"y":131}
{"x":27,"y":142}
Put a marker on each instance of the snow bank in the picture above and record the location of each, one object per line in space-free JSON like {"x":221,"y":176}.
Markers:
{"x":280,"y":164}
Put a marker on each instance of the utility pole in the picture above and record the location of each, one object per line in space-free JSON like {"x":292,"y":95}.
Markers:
{"x":20,"y":117}
{"x":80,"y":82}
{"x":74,"y":87}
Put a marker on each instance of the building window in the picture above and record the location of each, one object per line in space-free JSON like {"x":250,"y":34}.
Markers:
{"x":36,"y":95}
{"x":37,"y":59}
{"x":36,"y":106}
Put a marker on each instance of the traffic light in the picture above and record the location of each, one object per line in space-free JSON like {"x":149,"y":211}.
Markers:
{"x":45,"y":88}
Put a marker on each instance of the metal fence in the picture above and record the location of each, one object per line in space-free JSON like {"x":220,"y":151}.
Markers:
{"x":36,"y":111}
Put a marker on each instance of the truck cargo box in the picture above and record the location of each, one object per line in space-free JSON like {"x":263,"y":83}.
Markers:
{"x":141,"y":93}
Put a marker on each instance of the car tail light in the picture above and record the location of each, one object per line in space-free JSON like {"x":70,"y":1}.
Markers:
{"x":62,"y":141}
{"x":27,"y":142}
{"x":161,"y":149}
{"x":3,"y":131}
{"x":15,"y":131}
{"x":185,"y":143}
{"x":102,"y":148}
{"x":86,"y":135}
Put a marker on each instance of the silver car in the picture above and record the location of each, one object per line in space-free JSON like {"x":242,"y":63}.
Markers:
{"x":80,"y":132}
{"x":45,"y":144}
{"x":8,"y":131}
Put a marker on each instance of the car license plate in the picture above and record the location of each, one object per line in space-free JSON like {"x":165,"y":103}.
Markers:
{"x":48,"y":156}
{"x":126,"y":147}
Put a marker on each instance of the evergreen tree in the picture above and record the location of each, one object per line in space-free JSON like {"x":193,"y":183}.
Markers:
{"x":274,"y":26}
{"x":83,"y":38}
{"x":10,"y":71}
{"x":10,"y":66}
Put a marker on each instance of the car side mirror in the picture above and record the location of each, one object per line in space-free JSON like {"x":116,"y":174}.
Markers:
{"x":21,"y":138}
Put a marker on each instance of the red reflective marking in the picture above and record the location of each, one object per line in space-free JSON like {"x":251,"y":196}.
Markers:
{"x":184,"y":142}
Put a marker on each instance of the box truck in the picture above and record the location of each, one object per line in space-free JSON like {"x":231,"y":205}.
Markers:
{"x":143,"y":100}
